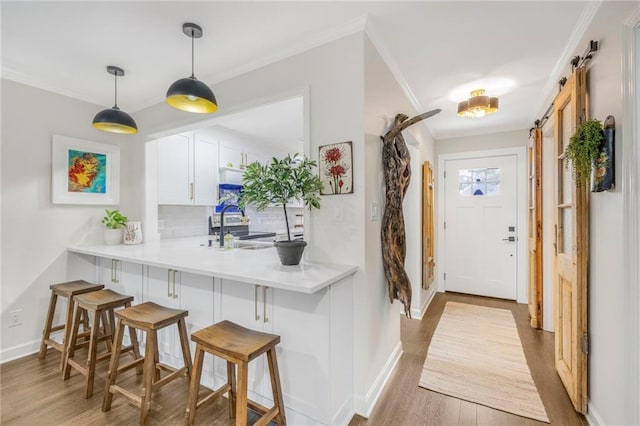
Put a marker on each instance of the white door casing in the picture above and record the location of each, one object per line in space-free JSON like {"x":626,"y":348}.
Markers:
{"x":519,"y":246}
{"x":480,"y":226}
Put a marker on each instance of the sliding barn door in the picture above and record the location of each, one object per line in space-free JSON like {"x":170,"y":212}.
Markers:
{"x":535,"y":228}
{"x":571,"y":247}
{"x":428,"y":262}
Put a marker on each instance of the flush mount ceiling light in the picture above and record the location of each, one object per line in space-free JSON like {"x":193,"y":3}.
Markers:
{"x":478,"y":105}
{"x":113,"y":119}
{"x":190,"y":94}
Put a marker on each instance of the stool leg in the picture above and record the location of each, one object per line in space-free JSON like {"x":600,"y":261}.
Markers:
{"x":133,"y":336}
{"x":231,"y":380}
{"x":184,"y":343}
{"x":112,"y":374}
{"x":241,"y":394}
{"x":67,"y":329}
{"x":70,"y":345}
{"x":107,"y":330}
{"x":149,"y":368}
{"x":194,"y":386}
{"x":276,"y":389}
{"x":93,"y":350}
{"x":156,"y":358}
{"x":46,"y":332}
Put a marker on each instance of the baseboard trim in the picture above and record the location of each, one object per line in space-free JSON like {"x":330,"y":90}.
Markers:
{"x":19,"y":351}
{"x":365,"y":405}
{"x":592,"y":416}
{"x":345,"y":413}
{"x":419,"y":314}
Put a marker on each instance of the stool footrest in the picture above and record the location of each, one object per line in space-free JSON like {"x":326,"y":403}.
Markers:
{"x":213,"y":395}
{"x":165,"y":367}
{"x":257,"y":407}
{"x":268,"y":416}
{"x":131,"y":365}
{"x":57,"y":328}
{"x":135,"y":399}
{"x":82,"y":369}
{"x":176,"y":374}
{"x":59,"y":346}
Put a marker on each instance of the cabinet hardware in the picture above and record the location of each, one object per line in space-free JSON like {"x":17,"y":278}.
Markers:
{"x":175,"y":293}
{"x":264,"y":304}
{"x":114,"y":271}
{"x":255,"y":302}
{"x":555,"y":242}
{"x":169,"y":283}
{"x":191,"y":191}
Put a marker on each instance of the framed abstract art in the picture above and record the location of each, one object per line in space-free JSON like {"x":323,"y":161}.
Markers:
{"x":84,"y":172}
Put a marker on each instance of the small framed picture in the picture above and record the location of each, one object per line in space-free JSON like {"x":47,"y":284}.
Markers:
{"x":336,"y":169}
{"x":84,"y":172}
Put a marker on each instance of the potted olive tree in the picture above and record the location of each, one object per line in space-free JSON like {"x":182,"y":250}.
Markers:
{"x":278,"y":183}
{"x":114,"y":224}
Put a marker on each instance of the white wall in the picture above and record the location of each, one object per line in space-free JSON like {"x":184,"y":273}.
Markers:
{"x":36,"y":233}
{"x":383,"y":99}
{"x":482,"y":142}
{"x":609,"y":316}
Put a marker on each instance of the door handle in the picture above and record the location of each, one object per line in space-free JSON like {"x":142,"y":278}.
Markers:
{"x":264,"y":304}
{"x":191,"y":191}
{"x":555,"y":242}
{"x":175,"y":293}
{"x":114,"y":271}
{"x":169,"y":283}
{"x":510,"y":239}
{"x":255,"y":303}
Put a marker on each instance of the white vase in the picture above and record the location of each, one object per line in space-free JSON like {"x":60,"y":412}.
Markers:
{"x":133,"y":233}
{"x":112,"y":236}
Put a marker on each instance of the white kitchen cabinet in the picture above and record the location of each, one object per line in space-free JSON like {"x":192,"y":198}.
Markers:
{"x":303,"y":323}
{"x":187,"y":170}
{"x":236,"y":155}
{"x":181,"y":290}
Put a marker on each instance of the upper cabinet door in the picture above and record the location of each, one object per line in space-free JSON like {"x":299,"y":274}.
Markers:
{"x":174,"y":170}
{"x":205,"y":171}
{"x":231,"y":155}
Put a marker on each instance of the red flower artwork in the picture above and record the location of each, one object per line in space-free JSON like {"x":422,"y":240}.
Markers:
{"x":336,"y":166}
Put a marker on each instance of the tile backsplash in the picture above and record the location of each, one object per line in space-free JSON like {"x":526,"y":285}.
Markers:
{"x":190,"y":221}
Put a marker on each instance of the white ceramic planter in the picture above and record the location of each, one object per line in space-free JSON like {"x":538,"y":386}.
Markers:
{"x":112,"y":236}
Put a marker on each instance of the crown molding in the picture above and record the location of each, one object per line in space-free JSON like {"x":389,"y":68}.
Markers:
{"x":29,"y":80}
{"x":588,"y":13}
{"x":323,"y":37}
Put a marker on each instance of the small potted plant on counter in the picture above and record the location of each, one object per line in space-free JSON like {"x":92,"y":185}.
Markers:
{"x":114,"y":224}
{"x":278,"y":183}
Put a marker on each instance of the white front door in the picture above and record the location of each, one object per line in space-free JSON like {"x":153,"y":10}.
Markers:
{"x":480,"y":226}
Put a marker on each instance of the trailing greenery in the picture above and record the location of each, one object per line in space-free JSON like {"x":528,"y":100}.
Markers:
{"x":584,"y":147}
{"x":113,"y":219}
{"x":280,"y":182}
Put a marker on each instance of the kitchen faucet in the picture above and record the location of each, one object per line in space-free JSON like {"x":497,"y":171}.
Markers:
{"x":224,"y":209}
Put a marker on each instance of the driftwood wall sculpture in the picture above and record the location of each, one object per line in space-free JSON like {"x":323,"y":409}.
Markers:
{"x":397,"y":175}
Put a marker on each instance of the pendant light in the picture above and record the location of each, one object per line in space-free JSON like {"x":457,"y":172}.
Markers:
{"x":190,"y":94}
{"x":113,"y":119}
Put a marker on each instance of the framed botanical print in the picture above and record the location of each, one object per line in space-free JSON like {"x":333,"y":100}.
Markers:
{"x":336,"y":168}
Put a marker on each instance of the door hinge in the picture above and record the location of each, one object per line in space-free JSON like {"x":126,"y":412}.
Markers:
{"x":585,"y":343}
{"x":445,"y":276}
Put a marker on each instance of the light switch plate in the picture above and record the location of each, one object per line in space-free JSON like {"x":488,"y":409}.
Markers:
{"x":375,"y":211}
{"x":338,"y":214}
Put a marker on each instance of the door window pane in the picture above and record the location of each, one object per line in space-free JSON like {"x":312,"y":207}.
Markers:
{"x":479,"y":182}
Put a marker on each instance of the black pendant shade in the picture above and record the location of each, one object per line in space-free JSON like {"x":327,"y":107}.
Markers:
{"x":190,"y":94}
{"x":113,"y":119}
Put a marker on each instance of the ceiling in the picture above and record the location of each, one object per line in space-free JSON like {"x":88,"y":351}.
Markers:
{"x":438,"y":51}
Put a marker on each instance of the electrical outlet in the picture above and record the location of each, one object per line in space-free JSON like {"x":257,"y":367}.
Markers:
{"x":15,"y":318}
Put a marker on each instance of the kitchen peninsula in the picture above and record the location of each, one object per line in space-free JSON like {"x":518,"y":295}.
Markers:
{"x":309,"y":306}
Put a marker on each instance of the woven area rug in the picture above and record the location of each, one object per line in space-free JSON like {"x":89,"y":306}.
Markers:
{"x":476,"y":355}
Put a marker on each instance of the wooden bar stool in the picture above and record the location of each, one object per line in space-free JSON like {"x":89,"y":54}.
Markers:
{"x":69,"y":290}
{"x":101,"y":304}
{"x":148,"y":317}
{"x":237,"y":345}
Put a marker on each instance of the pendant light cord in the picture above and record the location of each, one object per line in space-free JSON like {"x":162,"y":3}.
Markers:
{"x":192,"y":54}
{"x":115,"y":75}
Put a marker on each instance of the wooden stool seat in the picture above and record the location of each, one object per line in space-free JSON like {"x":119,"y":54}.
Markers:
{"x":101,"y":304}
{"x":237,"y":345}
{"x":148,"y":317}
{"x":69,"y":290}
{"x":235,"y":341}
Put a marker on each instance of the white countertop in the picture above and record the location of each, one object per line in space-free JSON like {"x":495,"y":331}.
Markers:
{"x":261,"y":267}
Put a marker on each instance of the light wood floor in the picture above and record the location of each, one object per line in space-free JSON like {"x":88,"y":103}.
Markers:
{"x":404,"y":403}
{"x":33,"y":393}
